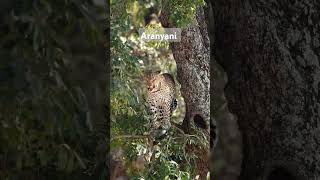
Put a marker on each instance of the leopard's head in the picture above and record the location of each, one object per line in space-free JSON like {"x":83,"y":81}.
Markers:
{"x":150,"y":79}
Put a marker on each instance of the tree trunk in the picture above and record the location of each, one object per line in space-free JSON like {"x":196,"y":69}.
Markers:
{"x":270,"y":51}
{"x":192,"y":56}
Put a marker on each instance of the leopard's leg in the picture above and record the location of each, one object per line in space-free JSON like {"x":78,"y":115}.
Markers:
{"x":153,"y":111}
{"x":150,"y":149}
{"x":162,"y":125}
{"x":154,"y":125}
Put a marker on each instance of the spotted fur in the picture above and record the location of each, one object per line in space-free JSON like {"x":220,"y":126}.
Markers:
{"x":161,"y":101}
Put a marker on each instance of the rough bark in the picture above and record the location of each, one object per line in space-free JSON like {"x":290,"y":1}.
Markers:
{"x":270,"y":51}
{"x":192,"y":56}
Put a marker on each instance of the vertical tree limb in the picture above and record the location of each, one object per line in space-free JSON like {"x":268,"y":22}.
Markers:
{"x":192,"y":56}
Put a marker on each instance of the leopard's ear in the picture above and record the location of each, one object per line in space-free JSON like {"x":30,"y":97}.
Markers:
{"x":146,"y":75}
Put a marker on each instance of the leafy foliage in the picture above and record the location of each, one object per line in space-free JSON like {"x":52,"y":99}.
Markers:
{"x":182,"y":12}
{"x":130,"y":58}
{"x":48,"y":62}
{"x":44,"y":125}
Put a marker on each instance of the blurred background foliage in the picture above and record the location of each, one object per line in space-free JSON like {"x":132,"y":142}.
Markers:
{"x":226,"y":158}
{"x":46,"y":130}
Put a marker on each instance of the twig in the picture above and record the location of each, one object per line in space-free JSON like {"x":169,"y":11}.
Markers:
{"x":177,"y":127}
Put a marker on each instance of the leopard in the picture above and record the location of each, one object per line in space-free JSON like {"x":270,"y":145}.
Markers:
{"x":162,"y":102}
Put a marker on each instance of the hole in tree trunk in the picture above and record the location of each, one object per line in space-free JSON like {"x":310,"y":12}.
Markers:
{"x":199,"y":121}
{"x":281,"y":173}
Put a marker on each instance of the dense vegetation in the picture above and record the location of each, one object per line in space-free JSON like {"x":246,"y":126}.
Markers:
{"x":45,"y":129}
{"x":131,"y":58}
